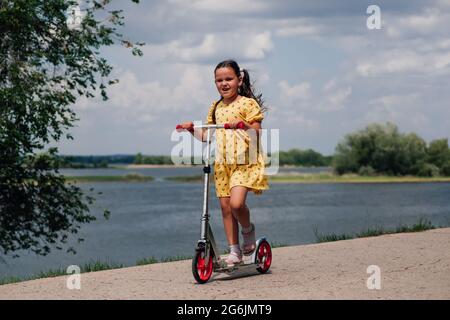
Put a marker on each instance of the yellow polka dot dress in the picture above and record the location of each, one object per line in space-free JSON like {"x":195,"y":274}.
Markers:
{"x":238,"y":157}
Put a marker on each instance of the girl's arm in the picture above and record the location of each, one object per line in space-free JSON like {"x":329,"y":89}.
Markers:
{"x":255,"y":125}
{"x":200,"y":134}
{"x":197,"y":133}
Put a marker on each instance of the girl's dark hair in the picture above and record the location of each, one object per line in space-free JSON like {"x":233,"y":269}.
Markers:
{"x":246,"y":89}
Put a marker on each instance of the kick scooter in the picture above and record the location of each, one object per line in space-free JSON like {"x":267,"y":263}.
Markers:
{"x":207,"y":256}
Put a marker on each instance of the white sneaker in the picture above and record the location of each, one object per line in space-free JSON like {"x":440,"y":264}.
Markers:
{"x":233,"y":259}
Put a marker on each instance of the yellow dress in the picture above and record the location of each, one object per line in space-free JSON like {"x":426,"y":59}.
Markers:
{"x":238,"y":157}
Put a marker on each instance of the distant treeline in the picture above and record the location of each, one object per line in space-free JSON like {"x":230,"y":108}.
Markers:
{"x":296,"y":157}
{"x":376,"y":150}
{"x":141,"y":159}
{"x":71,"y":161}
{"x":306,"y":158}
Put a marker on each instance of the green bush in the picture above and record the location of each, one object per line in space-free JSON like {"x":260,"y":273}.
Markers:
{"x":428,"y":170}
{"x":382,"y":149}
{"x":445,"y":169}
{"x":366,"y":171}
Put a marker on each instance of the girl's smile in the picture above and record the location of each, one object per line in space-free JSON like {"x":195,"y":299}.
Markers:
{"x":227,"y":83}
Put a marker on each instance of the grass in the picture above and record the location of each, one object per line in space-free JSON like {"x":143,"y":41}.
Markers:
{"x":351,"y":178}
{"x":421,"y":225}
{"x":89,"y":267}
{"x":131,"y":177}
{"x":99,"y":266}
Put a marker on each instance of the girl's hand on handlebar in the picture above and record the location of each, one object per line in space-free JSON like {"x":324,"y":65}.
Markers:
{"x":236,"y":125}
{"x":189,"y":126}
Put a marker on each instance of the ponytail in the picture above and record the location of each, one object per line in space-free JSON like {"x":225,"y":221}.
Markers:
{"x":214,"y":110}
{"x":247,"y":89}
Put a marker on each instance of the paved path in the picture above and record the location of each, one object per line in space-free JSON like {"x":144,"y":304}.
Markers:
{"x":412,"y":266}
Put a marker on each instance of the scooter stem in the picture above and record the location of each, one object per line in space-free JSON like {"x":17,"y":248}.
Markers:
{"x":206,"y":170}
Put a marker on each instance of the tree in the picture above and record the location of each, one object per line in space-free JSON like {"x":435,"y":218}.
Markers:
{"x":49,"y":57}
{"x":138,"y":159}
{"x":439,"y":152}
{"x":380,"y":149}
{"x":307,"y":157}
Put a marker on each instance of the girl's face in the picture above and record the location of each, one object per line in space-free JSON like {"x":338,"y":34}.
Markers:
{"x":227,"y":83}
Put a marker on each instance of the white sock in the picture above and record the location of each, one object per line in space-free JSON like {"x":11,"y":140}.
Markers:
{"x":248,"y":229}
{"x":235,"y":248}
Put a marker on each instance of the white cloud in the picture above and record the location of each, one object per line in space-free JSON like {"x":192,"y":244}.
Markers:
{"x":249,"y":46}
{"x":301,"y":91}
{"x":178,"y":49}
{"x":441,"y":61}
{"x":334,"y":101}
{"x":303,"y":122}
{"x":430,"y":22}
{"x":258,"y":46}
{"x":330,"y":85}
{"x":142,"y":101}
{"x":229,"y":6}
{"x":332,"y":97}
{"x":297,"y":27}
{"x":404,"y":61}
{"x":393,"y":108}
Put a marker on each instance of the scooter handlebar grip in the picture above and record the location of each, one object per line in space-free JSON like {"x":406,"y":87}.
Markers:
{"x":179,"y":127}
{"x":239,"y":125}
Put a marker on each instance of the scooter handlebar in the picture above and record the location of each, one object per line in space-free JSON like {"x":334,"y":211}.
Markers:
{"x":239,"y":125}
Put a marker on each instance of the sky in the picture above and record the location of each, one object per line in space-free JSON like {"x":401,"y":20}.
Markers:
{"x":322,"y":71}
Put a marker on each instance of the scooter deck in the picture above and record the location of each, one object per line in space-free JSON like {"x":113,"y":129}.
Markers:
{"x":240,"y":267}
{"x":246,"y":264}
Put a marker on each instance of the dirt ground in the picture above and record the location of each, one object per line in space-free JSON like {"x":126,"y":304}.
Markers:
{"x":409,"y":265}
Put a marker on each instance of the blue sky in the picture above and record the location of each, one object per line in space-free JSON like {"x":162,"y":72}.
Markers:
{"x":322,"y":72}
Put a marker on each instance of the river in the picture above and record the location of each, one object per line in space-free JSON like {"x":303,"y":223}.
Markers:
{"x":162,"y":218}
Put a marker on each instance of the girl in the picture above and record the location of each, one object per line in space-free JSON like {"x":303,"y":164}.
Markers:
{"x":233,"y":179}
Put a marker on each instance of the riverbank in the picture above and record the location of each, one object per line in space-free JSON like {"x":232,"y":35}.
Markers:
{"x":329,"y":178}
{"x":131,"y":177}
{"x":93,"y":266}
{"x":151,"y":166}
{"x":409,"y":265}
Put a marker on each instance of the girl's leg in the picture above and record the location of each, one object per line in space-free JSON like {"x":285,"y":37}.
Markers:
{"x":229,"y":222}
{"x":237,"y":203}
{"x":242,"y":214}
{"x":232,"y":233}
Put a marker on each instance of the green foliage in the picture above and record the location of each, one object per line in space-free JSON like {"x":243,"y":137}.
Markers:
{"x":366,"y":171}
{"x":141,"y":159}
{"x":382,"y":149}
{"x":438,"y":153}
{"x":445,"y":170}
{"x":306,"y":158}
{"x":46,"y":64}
{"x":424,"y":169}
{"x":74,"y":161}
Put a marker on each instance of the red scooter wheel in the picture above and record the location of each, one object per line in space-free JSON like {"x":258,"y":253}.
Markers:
{"x":263,"y":256}
{"x":201,"y":269}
